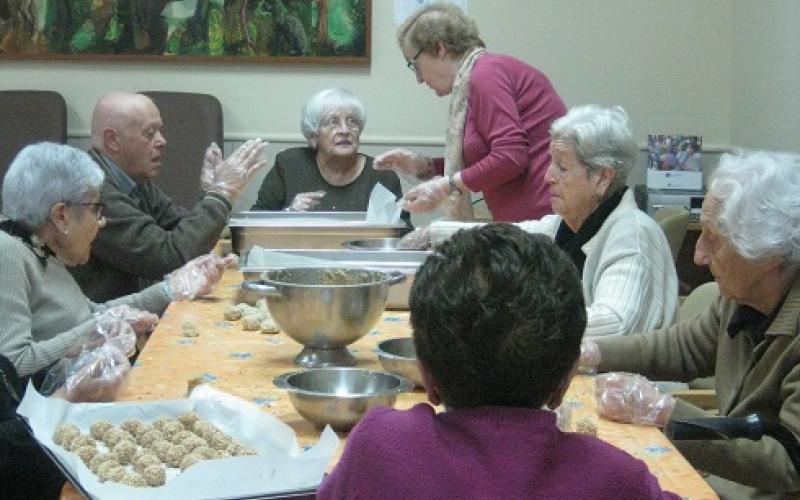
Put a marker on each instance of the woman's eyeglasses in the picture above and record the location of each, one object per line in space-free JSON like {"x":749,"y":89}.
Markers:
{"x":412,"y":63}
{"x":334,"y":122}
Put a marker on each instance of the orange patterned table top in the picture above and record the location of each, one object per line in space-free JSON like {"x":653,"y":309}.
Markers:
{"x":244,"y":363}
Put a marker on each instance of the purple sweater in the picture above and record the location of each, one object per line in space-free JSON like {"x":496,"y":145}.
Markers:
{"x":482,"y":453}
{"x":506,"y":137}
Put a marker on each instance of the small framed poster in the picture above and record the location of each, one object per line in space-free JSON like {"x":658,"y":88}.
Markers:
{"x":675,"y":162}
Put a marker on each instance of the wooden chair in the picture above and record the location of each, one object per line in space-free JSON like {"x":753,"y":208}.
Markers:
{"x":29,"y":116}
{"x":191,"y":122}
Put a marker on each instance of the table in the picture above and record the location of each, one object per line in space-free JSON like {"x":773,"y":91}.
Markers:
{"x":244,"y":363}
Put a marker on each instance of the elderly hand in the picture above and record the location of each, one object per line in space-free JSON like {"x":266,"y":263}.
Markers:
{"x":232,"y":174}
{"x":404,"y":162}
{"x":306,"y":201}
{"x":198,"y":276}
{"x":631,"y":398}
{"x":211,"y":158}
{"x":590,"y":357}
{"x":96,"y":375}
{"x":418,"y":239}
{"x":142,"y":322}
{"x":427,"y":196}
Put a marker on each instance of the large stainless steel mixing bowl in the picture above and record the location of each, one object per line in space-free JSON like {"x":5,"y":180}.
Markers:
{"x":399,"y":356}
{"x":325,"y":309}
{"x":340,"y":396}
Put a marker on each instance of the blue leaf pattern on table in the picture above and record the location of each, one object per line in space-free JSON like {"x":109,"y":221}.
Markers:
{"x":209,"y":377}
{"x":186,"y":341}
{"x":241,"y":355}
{"x":266,"y":400}
{"x":224,"y":324}
{"x":394,"y":319}
{"x":656,"y":449}
{"x":374,"y":333}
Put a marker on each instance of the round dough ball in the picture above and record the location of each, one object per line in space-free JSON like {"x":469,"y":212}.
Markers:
{"x":181,"y":436}
{"x":87,"y":453}
{"x":145,"y":460}
{"x":99,"y":428}
{"x":220,"y":441}
{"x":204,"y":429}
{"x":251,"y":322}
{"x":133,"y":426}
{"x":204,"y":451}
{"x":170,"y":429}
{"x":188,"y":419}
{"x":240,"y":450}
{"x":221,"y":454}
{"x":124,"y":452}
{"x":160,"y":422}
{"x":190,"y":460}
{"x":113,"y":473}
{"x":65,"y":433}
{"x":98,"y":460}
{"x":175,"y":455}
{"x":155,"y":475}
{"x":148,"y":438}
{"x":161,"y":448}
{"x":232,"y":313}
{"x":134,"y":479}
{"x":81,"y":440}
{"x":193,"y":442}
{"x":113,"y":436}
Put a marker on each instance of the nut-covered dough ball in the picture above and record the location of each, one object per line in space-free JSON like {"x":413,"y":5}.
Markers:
{"x":148,"y":438}
{"x":188,"y":419}
{"x":175,"y":455}
{"x":146,"y":459}
{"x":204,"y":429}
{"x":99,"y":428}
{"x":113,"y":436}
{"x":193,"y":442}
{"x":160,"y":448}
{"x":113,"y":473}
{"x":190,"y":460}
{"x":134,"y":479}
{"x":204,"y":451}
{"x":160,"y":422}
{"x":133,"y":426}
{"x":155,"y":475}
{"x":65,"y":433}
{"x":232,"y":313}
{"x":124,"y":452}
{"x":181,"y":436}
{"x":98,"y":460}
{"x":87,"y":453}
{"x":81,"y":440}
{"x":170,"y":429}
{"x":240,"y":450}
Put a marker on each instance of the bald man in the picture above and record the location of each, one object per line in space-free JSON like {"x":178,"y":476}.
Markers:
{"x":147,"y":235}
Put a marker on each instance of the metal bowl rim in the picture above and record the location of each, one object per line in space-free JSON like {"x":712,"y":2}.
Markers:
{"x":389,"y":355}
{"x":404,"y":385}
{"x":388,"y":277}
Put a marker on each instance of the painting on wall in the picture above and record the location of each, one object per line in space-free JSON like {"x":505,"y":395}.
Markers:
{"x":303,"y":31}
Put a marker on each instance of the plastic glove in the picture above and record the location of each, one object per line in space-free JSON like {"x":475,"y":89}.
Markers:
{"x":631,"y":398}
{"x":142,"y":322}
{"x":211,"y":159}
{"x":304,"y":202}
{"x":404,"y":162}
{"x":232,"y":174}
{"x":96,"y":375}
{"x":198,"y":276}
{"x":427,"y":196}
{"x":107,"y":329}
{"x":418,"y":239}
{"x":590,"y":357}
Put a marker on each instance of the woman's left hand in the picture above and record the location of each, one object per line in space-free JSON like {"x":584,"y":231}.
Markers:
{"x":427,"y":196}
{"x":198,"y":276}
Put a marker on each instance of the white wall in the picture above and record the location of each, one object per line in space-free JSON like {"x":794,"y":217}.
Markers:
{"x":666,"y":61}
{"x":766,"y":75}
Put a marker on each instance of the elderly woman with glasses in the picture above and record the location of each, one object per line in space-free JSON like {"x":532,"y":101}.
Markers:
{"x":329,"y":174}
{"x":51,"y":197}
{"x":500,"y":111}
{"x":628,"y":275}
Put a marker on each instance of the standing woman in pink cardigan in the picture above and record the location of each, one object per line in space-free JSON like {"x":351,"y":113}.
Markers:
{"x":500,"y":113}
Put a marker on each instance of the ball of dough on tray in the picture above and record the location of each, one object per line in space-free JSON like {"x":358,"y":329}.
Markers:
{"x":81,"y":440}
{"x":124,"y":451}
{"x":586,"y":426}
{"x":190,"y":460}
{"x":148,"y":438}
{"x":155,"y":475}
{"x":175,"y":454}
{"x":146,"y":459}
{"x":170,"y":429}
{"x":181,"y":436}
{"x":143,"y":429}
{"x":99,"y":428}
{"x":160,"y":422}
{"x":98,"y":460}
{"x":188,"y":419}
{"x":204,"y":429}
{"x":160,"y":448}
{"x":220,"y":454}
{"x":113,"y":436}
{"x":108,"y":464}
{"x":193,"y":442}
{"x":204,"y":451}
{"x":134,"y":479}
{"x":219,"y":441}
{"x":251,"y":322}
{"x":133,"y":426}
{"x":87,"y":453}
{"x":65,"y":433}
{"x":240,"y":450}
{"x":232,"y":313}
{"x":113,"y":473}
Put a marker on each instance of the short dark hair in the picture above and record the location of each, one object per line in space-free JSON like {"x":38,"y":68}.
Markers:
{"x":498,"y":316}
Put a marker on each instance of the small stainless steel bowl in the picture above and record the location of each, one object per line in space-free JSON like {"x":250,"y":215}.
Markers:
{"x":399,"y":356}
{"x":339,"y":397}
{"x":386,"y":244}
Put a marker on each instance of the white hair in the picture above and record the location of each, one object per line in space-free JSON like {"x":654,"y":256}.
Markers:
{"x":44,"y":174}
{"x":601,"y":137}
{"x":327,"y":101}
{"x":759,"y":203}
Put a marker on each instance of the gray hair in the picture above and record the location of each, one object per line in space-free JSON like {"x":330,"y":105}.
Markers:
{"x":759,"y":203}
{"x":327,"y":101}
{"x":44,"y":174}
{"x":601,"y":137}
{"x":436,"y":23}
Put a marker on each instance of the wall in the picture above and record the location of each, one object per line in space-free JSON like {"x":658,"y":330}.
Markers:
{"x":765,"y":75}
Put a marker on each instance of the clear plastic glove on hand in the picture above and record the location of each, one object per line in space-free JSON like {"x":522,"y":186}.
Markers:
{"x":211,"y":159}
{"x":142,"y":322}
{"x":631,"y":398}
{"x":232,"y":174}
{"x":427,"y":196}
{"x":108,"y":329}
{"x":404,"y":162}
{"x":590,"y":357}
{"x":198,"y":276}
{"x":96,"y":375}
{"x":418,"y":239}
{"x":304,"y":202}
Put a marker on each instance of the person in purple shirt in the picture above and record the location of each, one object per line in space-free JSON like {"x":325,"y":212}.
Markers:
{"x":498,"y":316}
{"x":497,"y":135}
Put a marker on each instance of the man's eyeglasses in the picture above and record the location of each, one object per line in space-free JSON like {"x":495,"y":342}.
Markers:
{"x":97,"y":207}
{"x":412,"y":63}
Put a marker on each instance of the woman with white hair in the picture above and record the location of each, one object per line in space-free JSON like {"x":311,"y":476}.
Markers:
{"x":749,"y":338}
{"x":628,"y":275}
{"x":329,"y":174}
{"x":51,"y":196}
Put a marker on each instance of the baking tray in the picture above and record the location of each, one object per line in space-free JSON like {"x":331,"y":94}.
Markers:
{"x":405,"y":261}
{"x":308,"y":230}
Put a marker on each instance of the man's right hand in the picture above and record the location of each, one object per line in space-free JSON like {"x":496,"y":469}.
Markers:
{"x":304,"y":202}
{"x":232,"y":174}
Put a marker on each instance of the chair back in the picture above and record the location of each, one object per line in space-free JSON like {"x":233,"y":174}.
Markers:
{"x":698,"y":301}
{"x":191,"y":122}
{"x":674,"y":227}
{"x":29,"y":116}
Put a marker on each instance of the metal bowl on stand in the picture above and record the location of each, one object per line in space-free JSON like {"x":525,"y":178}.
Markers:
{"x":325,"y":308}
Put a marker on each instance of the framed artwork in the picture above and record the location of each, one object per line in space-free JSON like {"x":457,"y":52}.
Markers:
{"x":260,"y":31}
{"x":674,"y":162}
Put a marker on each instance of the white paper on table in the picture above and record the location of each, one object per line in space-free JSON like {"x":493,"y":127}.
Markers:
{"x":383,"y":206}
{"x":262,"y":257}
{"x":280,"y":464}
